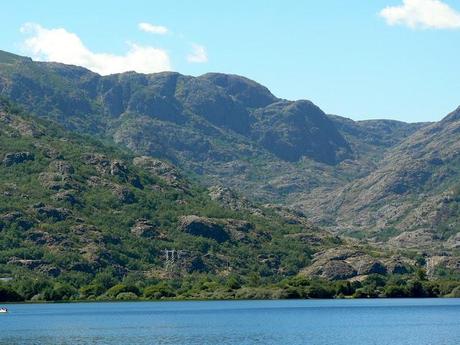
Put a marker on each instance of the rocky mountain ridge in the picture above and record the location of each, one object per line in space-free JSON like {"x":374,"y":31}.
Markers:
{"x":378,"y":181}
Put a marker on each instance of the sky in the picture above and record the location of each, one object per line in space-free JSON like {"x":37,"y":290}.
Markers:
{"x":395,"y":59}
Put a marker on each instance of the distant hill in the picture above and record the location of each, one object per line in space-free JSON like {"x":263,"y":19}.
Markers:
{"x":226,"y":127}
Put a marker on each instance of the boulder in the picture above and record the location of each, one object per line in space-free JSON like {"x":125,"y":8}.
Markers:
{"x":156,"y":167}
{"x":228,"y":198}
{"x":205,"y":227}
{"x":50,"y":271}
{"x":30,"y":264}
{"x":61,"y":167}
{"x":344,"y":263}
{"x":124,"y":195}
{"x":10,"y":217}
{"x":17,"y":218}
{"x":58,"y":214}
{"x":337,"y":270}
{"x":100,"y":162}
{"x":144,"y":228}
{"x":66,"y":196}
{"x":238,"y":229}
{"x":119,"y":169}
{"x":17,"y":158}
{"x":398,"y":266}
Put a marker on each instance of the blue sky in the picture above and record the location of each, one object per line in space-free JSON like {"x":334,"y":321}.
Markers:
{"x":348,"y":57}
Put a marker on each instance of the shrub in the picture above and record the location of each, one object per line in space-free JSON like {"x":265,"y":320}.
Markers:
{"x":127,"y":296}
{"x":161,"y":290}
{"x":119,"y":288}
{"x":7,"y":294}
{"x":395,"y":291}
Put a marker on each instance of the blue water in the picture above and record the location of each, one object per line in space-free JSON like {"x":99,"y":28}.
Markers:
{"x":334,"y":322}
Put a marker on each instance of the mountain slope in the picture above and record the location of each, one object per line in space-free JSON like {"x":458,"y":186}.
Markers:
{"x":414,"y":191}
{"x":72,"y":208}
{"x":225,"y":128}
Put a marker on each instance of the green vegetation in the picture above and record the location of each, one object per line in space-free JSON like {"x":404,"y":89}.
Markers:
{"x":208,"y":286}
{"x":84,"y":217}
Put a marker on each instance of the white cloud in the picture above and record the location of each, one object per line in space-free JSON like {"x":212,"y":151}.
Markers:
{"x":422,"y":14}
{"x":153,"y":29}
{"x":59,"y":45}
{"x":198,"y":54}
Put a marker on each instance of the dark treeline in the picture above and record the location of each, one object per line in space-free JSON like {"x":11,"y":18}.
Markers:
{"x":105,"y":286}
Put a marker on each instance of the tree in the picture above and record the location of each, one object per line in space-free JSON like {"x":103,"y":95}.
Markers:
{"x":7,"y":294}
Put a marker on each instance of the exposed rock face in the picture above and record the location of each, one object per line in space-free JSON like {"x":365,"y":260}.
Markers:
{"x":17,"y":158}
{"x":337,"y":264}
{"x":419,"y":238}
{"x":124,"y":195}
{"x":61,"y":167}
{"x":220,"y":230}
{"x":43,"y":238}
{"x":18,"y":218}
{"x":118,"y":168}
{"x":366,"y":265}
{"x":292,"y":130}
{"x":158,"y":168}
{"x":58,"y":214}
{"x":106,"y":166}
{"x":50,"y":270}
{"x":272,"y":261}
{"x":19,"y":126}
{"x":449,"y":263}
{"x":67,"y":196}
{"x":31,"y":264}
{"x":246,"y":91}
{"x":228,"y":198}
{"x":144,"y":228}
{"x":10,"y":217}
{"x":336,"y":270}
{"x":205,"y":227}
{"x":454,"y":241}
{"x":58,"y":176}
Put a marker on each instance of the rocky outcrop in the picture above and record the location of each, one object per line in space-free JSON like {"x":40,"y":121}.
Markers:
{"x":18,"y":218}
{"x":454,"y":241}
{"x":57,"y":214}
{"x":230,"y":199}
{"x":61,"y":167}
{"x":336,"y":270}
{"x":446,"y":263}
{"x":339,"y":264}
{"x":17,"y":158}
{"x":144,"y":228}
{"x":413,"y":239}
{"x":158,"y":168}
{"x":67,"y":196}
{"x":205,"y":227}
{"x":124,"y":194}
{"x":30,"y":264}
{"x":58,"y":176}
{"x":220,"y":230}
{"x":106,"y":166}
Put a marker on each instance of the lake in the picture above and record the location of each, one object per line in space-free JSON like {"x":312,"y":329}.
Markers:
{"x":313,"y":322}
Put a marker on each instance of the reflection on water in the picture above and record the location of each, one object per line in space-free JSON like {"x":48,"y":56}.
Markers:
{"x":335,"y":322}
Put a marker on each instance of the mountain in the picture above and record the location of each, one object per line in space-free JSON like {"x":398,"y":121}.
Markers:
{"x":83,"y":219}
{"x":74,"y":209}
{"x":414,"y":191}
{"x":226,"y":128}
{"x":342,"y":199}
